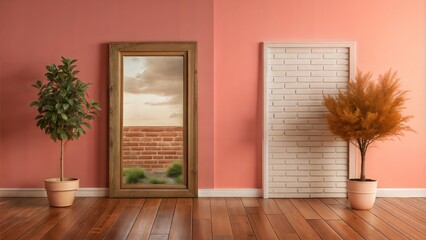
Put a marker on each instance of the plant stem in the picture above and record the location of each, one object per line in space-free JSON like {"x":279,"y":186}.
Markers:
{"x":363,"y":153}
{"x":62,"y":159}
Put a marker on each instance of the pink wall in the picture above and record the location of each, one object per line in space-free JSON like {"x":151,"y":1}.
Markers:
{"x":36,"y":33}
{"x":388,"y":33}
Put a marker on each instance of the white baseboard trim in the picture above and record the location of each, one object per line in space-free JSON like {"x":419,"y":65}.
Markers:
{"x":230,"y":192}
{"x":40,"y":192}
{"x":214,"y":192}
{"x":401,"y":192}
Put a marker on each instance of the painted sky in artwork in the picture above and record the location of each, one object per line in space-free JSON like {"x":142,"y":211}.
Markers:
{"x":153,"y":91}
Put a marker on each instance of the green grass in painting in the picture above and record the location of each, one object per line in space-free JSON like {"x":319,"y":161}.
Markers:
{"x":133,"y":175}
{"x":174,"y":170}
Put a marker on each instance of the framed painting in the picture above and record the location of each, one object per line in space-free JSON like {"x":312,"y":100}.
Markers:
{"x":153,"y":119}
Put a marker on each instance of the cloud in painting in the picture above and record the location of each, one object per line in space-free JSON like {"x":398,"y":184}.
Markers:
{"x":173,"y":100}
{"x":176,"y":115}
{"x":161,"y":76}
{"x":153,"y":90}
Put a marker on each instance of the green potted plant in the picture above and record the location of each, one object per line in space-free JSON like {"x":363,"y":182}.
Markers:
{"x":63,"y":114}
{"x":366,"y":112}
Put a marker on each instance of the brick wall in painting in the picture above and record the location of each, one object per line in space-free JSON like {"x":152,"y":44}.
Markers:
{"x":153,"y":148}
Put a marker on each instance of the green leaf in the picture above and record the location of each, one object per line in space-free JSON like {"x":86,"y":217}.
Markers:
{"x":63,"y":136}
{"x":33,"y":103}
{"x":53,"y":136}
{"x":62,"y":104}
{"x":87,"y":125}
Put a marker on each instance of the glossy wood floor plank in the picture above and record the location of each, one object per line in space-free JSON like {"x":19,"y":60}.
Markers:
{"x":60,"y":229}
{"x":201,"y":223}
{"x":221,"y":224}
{"x":201,"y":209}
{"x":145,"y":220}
{"x":107,"y":219}
{"x":211,"y":218}
{"x":241,"y":227}
{"x":218,"y":202}
{"x":202,"y":229}
{"x":261,"y":226}
{"x":282,"y":227}
{"x":420,"y":203}
{"x":24,"y":226}
{"x":305,"y":209}
{"x":395,"y":222}
{"x":269,"y":206}
{"x":27,"y":210}
{"x":359,"y":225}
{"x":403,"y":215}
{"x":322,"y":209}
{"x":158,"y":237}
{"x":379,"y":224}
{"x":296,"y":219}
{"x":163,"y":221}
{"x":121,"y":227}
{"x":323,"y":229}
{"x":47,"y":223}
{"x":87,"y":221}
{"x":250,"y":202}
{"x":182,"y":220}
{"x":329,"y":201}
{"x":344,"y":230}
{"x":235,"y":206}
{"x":408,"y":208}
{"x":11,"y":208}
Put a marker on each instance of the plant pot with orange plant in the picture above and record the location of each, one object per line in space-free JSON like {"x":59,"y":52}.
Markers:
{"x":368,"y":111}
{"x":63,"y":114}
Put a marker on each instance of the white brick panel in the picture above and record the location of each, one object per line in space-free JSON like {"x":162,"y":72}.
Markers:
{"x":297,"y":50}
{"x":324,"y":50}
{"x":304,"y":158}
{"x":323,"y":61}
{"x":285,"y":79}
{"x":311,"y":67}
{"x":285,"y":55}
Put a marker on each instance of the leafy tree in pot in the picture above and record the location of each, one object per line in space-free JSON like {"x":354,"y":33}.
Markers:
{"x":367,"y":111}
{"x":63,"y":110}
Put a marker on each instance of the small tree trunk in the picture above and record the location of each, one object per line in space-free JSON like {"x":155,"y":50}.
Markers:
{"x":363,"y":152}
{"x":62,"y":159}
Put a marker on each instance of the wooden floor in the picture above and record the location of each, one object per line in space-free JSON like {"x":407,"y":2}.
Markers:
{"x":214,"y":218}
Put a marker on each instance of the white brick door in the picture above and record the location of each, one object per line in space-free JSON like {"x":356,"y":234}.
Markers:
{"x":301,"y":157}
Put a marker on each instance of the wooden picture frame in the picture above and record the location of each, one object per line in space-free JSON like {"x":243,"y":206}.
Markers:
{"x":118,"y":53}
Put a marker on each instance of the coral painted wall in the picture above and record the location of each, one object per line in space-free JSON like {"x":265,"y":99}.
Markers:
{"x":388,"y":33}
{"x":36,"y":33}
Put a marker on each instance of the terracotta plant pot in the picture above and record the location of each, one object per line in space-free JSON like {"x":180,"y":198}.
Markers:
{"x":61,"y":193}
{"x":362,"y":194}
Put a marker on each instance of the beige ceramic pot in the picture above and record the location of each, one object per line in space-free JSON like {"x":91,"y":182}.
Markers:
{"x":61,"y":193}
{"x":362,"y":194}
